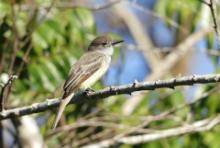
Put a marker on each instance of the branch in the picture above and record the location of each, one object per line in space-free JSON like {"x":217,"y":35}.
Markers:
{"x":211,"y":7}
{"x":138,"y":33}
{"x":149,"y":119}
{"x":117,"y":90}
{"x":165,"y":67}
{"x":8,"y":83}
{"x":83,"y":123}
{"x":214,"y":18}
{"x":2,"y":103}
{"x":198,"y":126}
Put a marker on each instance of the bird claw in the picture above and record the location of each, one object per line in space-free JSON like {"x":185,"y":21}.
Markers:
{"x":87,"y":91}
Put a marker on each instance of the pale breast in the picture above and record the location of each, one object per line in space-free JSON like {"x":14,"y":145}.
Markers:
{"x":98,"y":74}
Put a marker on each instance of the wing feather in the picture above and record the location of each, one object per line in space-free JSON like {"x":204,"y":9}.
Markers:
{"x":82,"y":70}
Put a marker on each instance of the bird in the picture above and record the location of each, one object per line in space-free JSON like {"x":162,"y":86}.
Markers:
{"x":90,"y":67}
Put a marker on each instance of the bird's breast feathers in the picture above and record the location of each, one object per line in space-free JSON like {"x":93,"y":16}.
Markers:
{"x":98,"y":74}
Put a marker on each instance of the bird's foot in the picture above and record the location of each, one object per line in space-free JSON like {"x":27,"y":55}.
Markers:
{"x":88,"y":90}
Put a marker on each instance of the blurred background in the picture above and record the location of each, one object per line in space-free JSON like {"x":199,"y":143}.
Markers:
{"x":41,"y":39}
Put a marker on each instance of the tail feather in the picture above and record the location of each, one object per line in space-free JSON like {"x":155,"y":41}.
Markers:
{"x":62,"y":106}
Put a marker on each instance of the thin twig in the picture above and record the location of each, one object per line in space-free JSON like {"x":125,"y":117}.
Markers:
{"x":181,"y":106}
{"x":198,"y":126}
{"x":137,"y":30}
{"x":15,"y":47}
{"x":161,"y":116}
{"x":212,"y":10}
{"x":101,"y":135}
{"x":8,"y":83}
{"x":24,"y":59}
{"x":15,"y":38}
{"x":86,"y":123}
{"x":27,"y":41}
{"x":2,"y":103}
{"x":213,"y":52}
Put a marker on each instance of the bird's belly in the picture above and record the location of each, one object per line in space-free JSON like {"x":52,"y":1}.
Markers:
{"x":96,"y":76}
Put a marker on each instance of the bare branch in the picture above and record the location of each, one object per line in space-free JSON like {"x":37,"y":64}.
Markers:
{"x":15,"y":40}
{"x":205,"y":2}
{"x":123,"y":89}
{"x":2,"y":103}
{"x":198,"y":126}
{"x":160,"y":116}
{"x":86,"y":123}
{"x":2,"y":100}
{"x":211,"y":6}
{"x":137,"y":30}
{"x":213,"y":52}
{"x":165,"y":66}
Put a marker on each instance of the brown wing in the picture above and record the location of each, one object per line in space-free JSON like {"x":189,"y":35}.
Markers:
{"x":87,"y":65}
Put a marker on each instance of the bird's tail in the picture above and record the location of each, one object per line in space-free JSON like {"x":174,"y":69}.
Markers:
{"x":62,"y":106}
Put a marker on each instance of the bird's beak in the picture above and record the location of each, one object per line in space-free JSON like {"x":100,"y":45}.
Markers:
{"x":117,"y":42}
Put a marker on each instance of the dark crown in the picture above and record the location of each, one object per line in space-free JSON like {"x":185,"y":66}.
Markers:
{"x":102,"y":41}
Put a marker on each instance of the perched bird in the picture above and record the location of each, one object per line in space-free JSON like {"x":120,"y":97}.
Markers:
{"x":91,"y":66}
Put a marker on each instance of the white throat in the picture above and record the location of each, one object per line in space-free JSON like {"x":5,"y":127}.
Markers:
{"x":107,"y":51}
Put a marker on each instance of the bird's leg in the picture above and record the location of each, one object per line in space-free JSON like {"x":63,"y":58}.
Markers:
{"x":89,"y":90}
